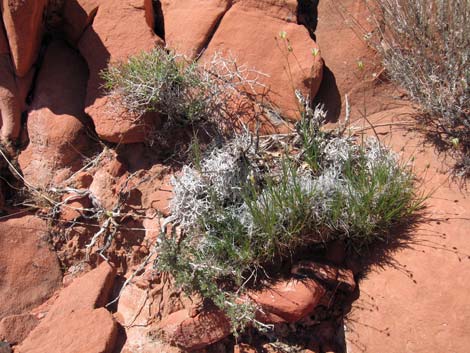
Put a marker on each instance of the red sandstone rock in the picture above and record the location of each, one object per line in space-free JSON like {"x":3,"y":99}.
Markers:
{"x":73,"y":324}
{"x":160,"y":200}
{"x":13,"y":91}
{"x":290,"y":300}
{"x":29,"y":269}
{"x":81,"y":330}
{"x":119,"y":30}
{"x":15,"y":328}
{"x":104,"y":186}
{"x":131,"y":306}
{"x":338,"y":278}
{"x":149,"y":13}
{"x":58,"y":138}
{"x":87,"y":292}
{"x":83,"y":180}
{"x":78,"y":15}
{"x":189,"y":24}
{"x":197,"y":332}
{"x":115,"y":124}
{"x":10,"y":113}
{"x":74,"y":206}
{"x":23,"y":25}
{"x":248,"y":32}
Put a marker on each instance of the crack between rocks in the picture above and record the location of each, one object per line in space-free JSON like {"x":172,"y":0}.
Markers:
{"x":307,"y":15}
{"x":92,"y":19}
{"x":159,"y":25}
{"x":202,"y":48}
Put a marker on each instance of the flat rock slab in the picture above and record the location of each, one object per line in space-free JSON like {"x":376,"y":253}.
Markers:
{"x":83,"y":330}
{"x":15,"y":328}
{"x":75,"y":322}
{"x":29,"y":269}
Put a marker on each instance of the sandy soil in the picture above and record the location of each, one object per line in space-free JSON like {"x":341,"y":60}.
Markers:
{"x":416,"y":300}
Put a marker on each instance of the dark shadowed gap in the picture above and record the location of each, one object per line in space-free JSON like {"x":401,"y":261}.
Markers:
{"x":307,"y":15}
{"x":159,"y":26}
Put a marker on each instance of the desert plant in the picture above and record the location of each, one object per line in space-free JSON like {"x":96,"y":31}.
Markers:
{"x":181,"y":89}
{"x":253,"y":202}
{"x":426,"y":49}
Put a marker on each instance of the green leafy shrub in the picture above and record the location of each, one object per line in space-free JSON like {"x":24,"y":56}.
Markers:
{"x":426,"y":49}
{"x":250,"y":203}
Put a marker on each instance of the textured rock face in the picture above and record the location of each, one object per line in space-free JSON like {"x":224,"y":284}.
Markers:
{"x":119,"y":30}
{"x":15,"y":328}
{"x":9,"y":102}
{"x":81,"y":331}
{"x":117,"y":125}
{"x":197,"y":332}
{"x":29,"y":269}
{"x":85,"y":293}
{"x":189,"y":24}
{"x":135,"y":313}
{"x":288,"y":300}
{"x":251,"y":33}
{"x":78,"y":15}
{"x":57,"y":136}
{"x":76,"y":323}
{"x":23,"y":25}
{"x":10,"y":114}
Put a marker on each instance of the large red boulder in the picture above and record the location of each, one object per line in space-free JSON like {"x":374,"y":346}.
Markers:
{"x":262,"y":35}
{"x":58,"y":137}
{"x":290,"y":300}
{"x":197,"y":332}
{"x":76,"y":322}
{"x":119,"y":30}
{"x":189,"y":24}
{"x":23,"y":21}
{"x":29,"y":269}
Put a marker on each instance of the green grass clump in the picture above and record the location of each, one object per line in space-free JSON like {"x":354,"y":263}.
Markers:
{"x":160,"y":81}
{"x":249,"y":204}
